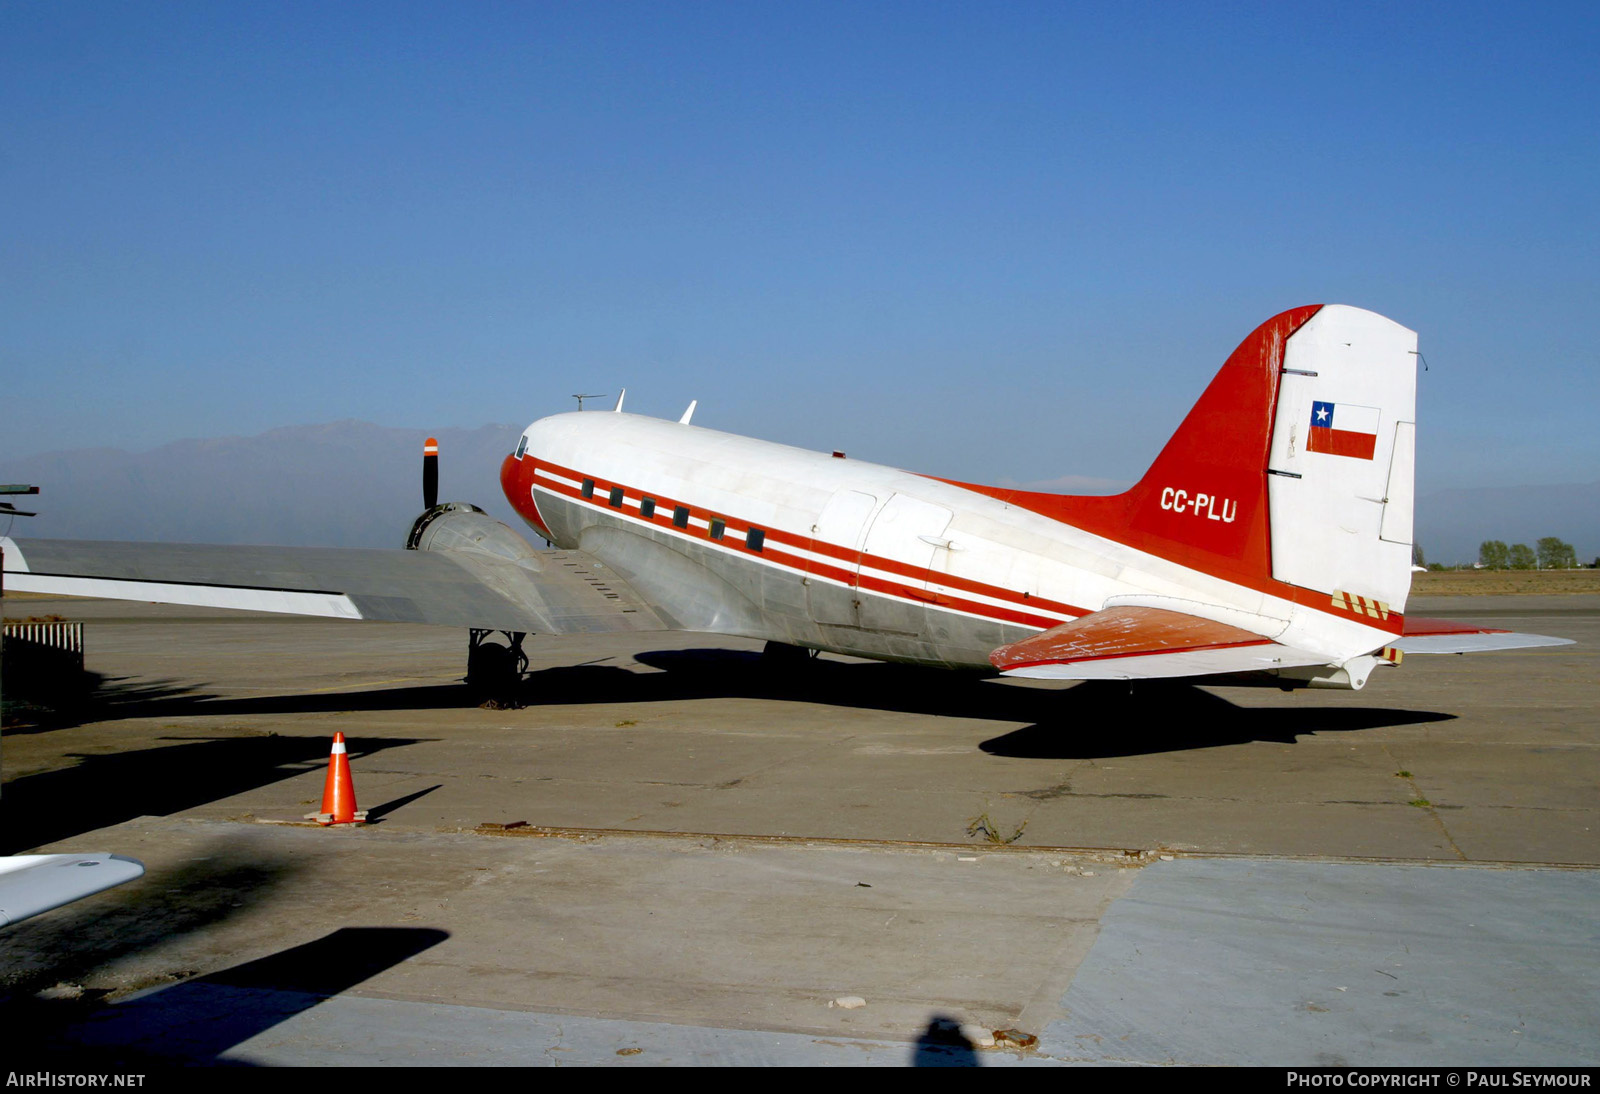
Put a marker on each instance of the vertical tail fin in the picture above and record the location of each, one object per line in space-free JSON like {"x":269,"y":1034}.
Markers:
{"x":1204,"y":502}
{"x":1294,"y":466}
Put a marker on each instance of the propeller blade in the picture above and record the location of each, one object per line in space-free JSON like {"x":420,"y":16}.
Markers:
{"x":430,"y":473}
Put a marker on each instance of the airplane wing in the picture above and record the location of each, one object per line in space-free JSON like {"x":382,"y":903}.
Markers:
{"x":549,"y":592}
{"x":30,"y":884}
{"x":1140,"y":643}
{"x":1422,"y":635}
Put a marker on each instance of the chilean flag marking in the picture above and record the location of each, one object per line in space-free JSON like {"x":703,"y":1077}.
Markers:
{"x":1354,"y":435}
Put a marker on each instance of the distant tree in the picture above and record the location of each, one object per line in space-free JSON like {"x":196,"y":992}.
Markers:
{"x":1435,"y":567}
{"x":1521,"y":557}
{"x":1417,"y":557}
{"x":1555,"y":554}
{"x":1492,"y":555}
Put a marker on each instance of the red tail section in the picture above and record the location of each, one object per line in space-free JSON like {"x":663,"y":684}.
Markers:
{"x":1203,"y":503}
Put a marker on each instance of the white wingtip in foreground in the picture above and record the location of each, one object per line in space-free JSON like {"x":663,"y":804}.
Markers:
{"x":30,"y":884}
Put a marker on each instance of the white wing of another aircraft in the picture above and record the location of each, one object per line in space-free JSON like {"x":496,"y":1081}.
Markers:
{"x":30,"y":884}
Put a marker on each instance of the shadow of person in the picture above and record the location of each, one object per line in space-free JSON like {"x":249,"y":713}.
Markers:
{"x":942,"y":1044}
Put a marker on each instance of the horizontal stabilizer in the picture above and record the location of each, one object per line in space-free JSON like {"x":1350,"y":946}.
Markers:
{"x":30,"y":884}
{"x":1449,"y":636}
{"x":1137,"y":643}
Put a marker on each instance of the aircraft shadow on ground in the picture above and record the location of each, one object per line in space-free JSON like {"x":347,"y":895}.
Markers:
{"x":45,"y":705}
{"x":68,"y":945}
{"x":102,"y":790}
{"x":106,"y":699}
{"x":1085,"y":721}
{"x":1182,"y":718}
{"x":197,"y":1021}
{"x":1090,"y":720}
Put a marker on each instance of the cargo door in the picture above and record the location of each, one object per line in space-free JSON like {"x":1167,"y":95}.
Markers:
{"x":896,"y":558}
{"x":838,"y":532}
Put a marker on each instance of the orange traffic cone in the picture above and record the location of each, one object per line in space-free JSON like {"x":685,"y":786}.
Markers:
{"x":339,"y":792}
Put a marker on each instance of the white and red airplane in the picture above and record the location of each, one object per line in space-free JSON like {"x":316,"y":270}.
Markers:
{"x":1271,"y":541}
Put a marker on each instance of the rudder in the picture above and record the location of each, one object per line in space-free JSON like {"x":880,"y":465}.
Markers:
{"x":1341,"y":477}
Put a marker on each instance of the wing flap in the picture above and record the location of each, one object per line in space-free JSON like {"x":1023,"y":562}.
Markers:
{"x":554,"y":592}
{"x":1137,"y":643}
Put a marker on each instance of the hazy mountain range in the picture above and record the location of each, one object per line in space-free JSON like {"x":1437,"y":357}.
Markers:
{"x":354,"y":484}
{"x":345,"y":484}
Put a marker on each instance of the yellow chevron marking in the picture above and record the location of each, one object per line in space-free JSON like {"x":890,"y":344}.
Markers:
{"x":1360,"y":605}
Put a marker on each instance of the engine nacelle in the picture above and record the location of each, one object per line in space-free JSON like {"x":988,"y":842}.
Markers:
{"x":457,"y":526}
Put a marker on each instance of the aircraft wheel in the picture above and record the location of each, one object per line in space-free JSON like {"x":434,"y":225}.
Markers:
{"x":781,"y":657}
{"x":493,"y":672}
{"x":782,"y":653}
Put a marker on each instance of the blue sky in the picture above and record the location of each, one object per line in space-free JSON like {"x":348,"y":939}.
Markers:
{"x":989,"y":241}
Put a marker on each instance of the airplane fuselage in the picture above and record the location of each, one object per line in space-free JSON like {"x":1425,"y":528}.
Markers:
{"x":733,"y":535}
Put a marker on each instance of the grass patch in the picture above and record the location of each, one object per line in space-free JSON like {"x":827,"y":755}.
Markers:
{"x":1506,"y":583}
{"x":982,"y":826}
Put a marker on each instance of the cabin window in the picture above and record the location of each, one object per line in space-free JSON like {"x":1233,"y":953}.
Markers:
{"x":717,"y":528}
{"x":522,"y":446}
{"x":754,"y":538}
{"x":616,"y":497}
{"x":680,"y":517}
{"x":647,"y":508}
{"x":588,"y":488}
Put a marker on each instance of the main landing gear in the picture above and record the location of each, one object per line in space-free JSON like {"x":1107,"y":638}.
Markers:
{"x":494,"y":671}
{"x":781,"y":657}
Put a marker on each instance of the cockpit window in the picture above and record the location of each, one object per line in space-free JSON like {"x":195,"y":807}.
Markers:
{"x":522,"y":446}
